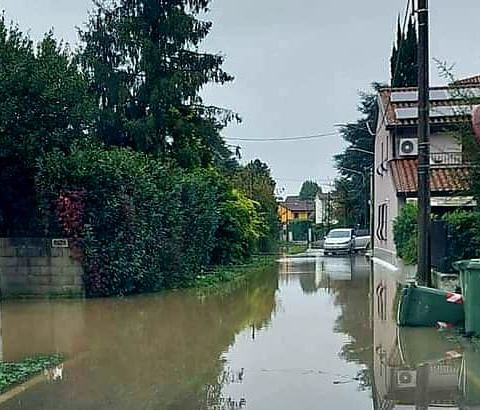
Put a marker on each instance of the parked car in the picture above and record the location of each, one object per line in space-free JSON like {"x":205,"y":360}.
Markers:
{"x":339,"y":241}
{"x":346,"y":240}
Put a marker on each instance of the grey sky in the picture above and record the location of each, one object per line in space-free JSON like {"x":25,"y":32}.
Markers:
{"x":298,"y":65}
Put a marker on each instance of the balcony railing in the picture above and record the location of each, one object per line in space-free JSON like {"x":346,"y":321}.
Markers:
{"x":442,"y":159}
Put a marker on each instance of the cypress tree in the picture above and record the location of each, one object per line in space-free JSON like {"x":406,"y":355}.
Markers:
{"x":404,"y":60}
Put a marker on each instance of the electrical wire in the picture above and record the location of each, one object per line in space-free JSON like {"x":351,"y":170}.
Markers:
{"x":298,"y":138}
{"x":330,"y":134}
{"x":318,"y":181}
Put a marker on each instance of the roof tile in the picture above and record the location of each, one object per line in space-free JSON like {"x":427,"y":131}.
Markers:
{"x":468,"y":81}
{"x":443,"y":179}
{"x":299,"y":206}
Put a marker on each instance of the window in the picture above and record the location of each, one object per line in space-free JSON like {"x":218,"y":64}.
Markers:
{"x":382,"y":222}
{"x":340,"y":233}
{"x":385,"y":222}
{"x":379,"y":222}
{"x":296,"y":215}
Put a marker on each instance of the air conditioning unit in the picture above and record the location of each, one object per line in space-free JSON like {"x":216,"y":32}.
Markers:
{"x":406,"y":379}
{"x":408,"y":147}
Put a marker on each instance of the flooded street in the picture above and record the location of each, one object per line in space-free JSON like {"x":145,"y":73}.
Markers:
{"x":311,"y":333}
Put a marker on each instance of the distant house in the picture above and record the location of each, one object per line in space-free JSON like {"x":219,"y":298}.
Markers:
{"x":294,"y":208}
{"x":396,"y":155}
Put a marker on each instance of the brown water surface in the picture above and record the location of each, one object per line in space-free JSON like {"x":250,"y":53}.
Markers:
{"x":313,"y":333}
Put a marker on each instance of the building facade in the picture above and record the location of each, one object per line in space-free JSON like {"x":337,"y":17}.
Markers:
{"x":294,"y":208}
{"x":396,"y":155}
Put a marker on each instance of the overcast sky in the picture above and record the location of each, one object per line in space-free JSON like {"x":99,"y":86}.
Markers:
{"x":298,"y":65}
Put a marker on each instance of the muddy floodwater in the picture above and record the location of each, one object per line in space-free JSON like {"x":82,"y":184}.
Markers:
{"x":311,"y":333}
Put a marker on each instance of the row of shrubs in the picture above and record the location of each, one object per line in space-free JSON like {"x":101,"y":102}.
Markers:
{"x":139,"y":225}
{"x":463,"y":227}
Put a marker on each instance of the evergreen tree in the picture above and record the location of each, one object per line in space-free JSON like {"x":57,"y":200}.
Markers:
{"x":404,"y":60}
{"x":309,"y":190}
{"x":146,"y":68}
{"x":352,"y":189}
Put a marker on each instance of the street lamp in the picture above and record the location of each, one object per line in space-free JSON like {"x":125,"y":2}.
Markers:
{"x":360,"y":150}
{"x":354,"y":171}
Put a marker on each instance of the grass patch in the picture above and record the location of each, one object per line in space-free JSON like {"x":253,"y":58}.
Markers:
{"x":233,"y":273}
{"x":293,"y":248}
{"x":14,"y":373}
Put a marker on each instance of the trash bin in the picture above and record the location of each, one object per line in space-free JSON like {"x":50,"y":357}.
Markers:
{"x":420,"y":306}
{"x":470,"y":283}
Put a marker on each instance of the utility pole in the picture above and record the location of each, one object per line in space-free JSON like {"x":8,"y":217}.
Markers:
{"x":367,"y":197}
{"x":372,"y":211}
{"x":328,"y":211}
{"x":424,"y":257}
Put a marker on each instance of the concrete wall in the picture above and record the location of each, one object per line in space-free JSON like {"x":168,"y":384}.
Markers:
{"x":32,"y":267}
{"x":320,"y":209}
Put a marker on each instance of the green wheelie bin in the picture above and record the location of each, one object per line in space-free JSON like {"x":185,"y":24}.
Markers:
{"x":470,"y":283}
{"x":420,"y":306}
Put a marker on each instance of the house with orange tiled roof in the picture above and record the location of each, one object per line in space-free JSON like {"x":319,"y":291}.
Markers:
{"x":396,"y":155}
{"x":294,"y":208}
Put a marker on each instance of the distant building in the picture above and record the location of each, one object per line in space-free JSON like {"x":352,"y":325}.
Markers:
{"x":294,"y":208}
{"x":396,"y":155}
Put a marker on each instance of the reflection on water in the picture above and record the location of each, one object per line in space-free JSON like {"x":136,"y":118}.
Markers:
{"x":296,"y":337}
{"x":146,"y":352}
{"x":313,"y":333}
{"x":419,"y":368}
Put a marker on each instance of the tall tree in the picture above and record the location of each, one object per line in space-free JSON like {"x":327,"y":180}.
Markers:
{"x":255,"y":181}
{"x":44,"y":106}
{"x":353,"y":187}
{"x":309,"y":190}
{"x":145,"y":65}
{"x":404,"y":60}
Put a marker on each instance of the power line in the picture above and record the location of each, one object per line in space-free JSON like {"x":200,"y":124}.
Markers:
{"x":330,"y":134}
{"x":298,"y":138}
{"x":318,"y":181}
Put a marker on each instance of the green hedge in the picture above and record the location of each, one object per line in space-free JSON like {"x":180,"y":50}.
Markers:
{"x":299,"y":229}
{"x":140,"y":226}
{"x":463,"y":234}
{"x":405,"y":234}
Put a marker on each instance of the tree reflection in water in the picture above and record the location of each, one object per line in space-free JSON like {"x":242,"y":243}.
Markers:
{"x":352,"y":298}
{"x":348,"y":280}
{"x":163,"y":351}
{"x":418,"y":368}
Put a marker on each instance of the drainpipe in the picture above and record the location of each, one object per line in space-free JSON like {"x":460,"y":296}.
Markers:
{"x":372,"y":212}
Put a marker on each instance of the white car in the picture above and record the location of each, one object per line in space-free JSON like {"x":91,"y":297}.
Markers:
{"x":339,"y":241}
